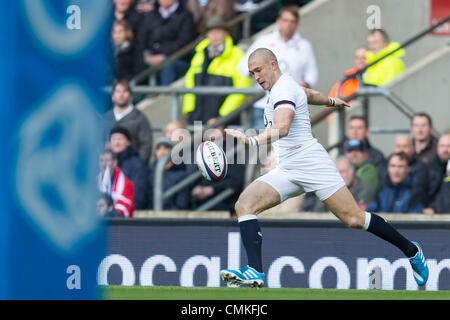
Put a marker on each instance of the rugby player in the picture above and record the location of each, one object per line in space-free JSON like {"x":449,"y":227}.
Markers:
{"x":303,"y":165}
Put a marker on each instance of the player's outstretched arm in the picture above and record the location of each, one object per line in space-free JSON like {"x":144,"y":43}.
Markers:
{"x":283,"y":118}
{"x":318,"y":98}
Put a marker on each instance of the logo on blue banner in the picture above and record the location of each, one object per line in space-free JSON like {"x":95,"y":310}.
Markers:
{"x":58,"y":197}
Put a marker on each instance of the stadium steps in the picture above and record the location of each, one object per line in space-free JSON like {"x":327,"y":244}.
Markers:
{"x":337,"y":27}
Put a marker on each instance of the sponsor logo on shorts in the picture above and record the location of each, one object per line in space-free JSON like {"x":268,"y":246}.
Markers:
{"x":295,"y":147}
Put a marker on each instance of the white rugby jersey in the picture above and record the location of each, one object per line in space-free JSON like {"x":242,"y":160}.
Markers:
{"x":287,"y":93}
{"x":295,"y":57}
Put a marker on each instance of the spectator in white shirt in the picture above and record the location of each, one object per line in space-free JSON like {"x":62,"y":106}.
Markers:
{"x":294,"y":53}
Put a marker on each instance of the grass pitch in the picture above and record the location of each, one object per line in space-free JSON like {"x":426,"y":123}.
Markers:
{"x":233,"y":293}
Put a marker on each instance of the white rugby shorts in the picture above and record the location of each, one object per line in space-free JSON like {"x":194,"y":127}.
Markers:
{"x":311,"y":170}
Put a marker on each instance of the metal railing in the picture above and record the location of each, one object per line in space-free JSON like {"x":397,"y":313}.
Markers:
{"x":245,"y":18}
{"x":175,"y":92}
{"x":365,"y":93}
{"x":394,"y":99}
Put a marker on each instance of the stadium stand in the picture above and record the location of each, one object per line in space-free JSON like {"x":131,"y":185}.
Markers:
{"x":434,"y":49}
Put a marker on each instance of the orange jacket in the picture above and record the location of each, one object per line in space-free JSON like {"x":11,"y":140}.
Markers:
{"x":349,"y":86}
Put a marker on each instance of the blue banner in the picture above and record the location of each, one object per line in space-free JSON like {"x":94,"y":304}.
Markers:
{"x":53,"y":62}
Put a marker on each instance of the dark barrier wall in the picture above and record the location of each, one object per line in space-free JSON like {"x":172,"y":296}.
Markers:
{"x":304,"y":254}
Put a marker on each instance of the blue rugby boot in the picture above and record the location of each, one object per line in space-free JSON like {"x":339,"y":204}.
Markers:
{"x":419,"y":266}
{"x":246,"y":276}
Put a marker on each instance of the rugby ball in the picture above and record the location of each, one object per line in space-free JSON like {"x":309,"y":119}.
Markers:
{"x":211,"y":161}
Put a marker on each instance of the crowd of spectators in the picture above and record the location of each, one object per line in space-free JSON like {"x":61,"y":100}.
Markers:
{"x":413,"y":178}
{"x":130,"y":181}
{"x":146,"y":32}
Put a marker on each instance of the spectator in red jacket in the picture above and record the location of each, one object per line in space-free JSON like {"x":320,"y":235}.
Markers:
{"x":113,"y":181}
{"x":130,"y":164}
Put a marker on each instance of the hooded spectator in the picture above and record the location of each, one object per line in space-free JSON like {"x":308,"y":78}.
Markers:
{"x":131,"y":164}
{"x":173,"y":174}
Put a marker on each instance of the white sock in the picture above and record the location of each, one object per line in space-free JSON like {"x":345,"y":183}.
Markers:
{"x":367,"y":221}
{"x":247,"y":217}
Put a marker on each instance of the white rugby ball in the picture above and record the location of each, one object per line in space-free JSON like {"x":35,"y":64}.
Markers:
{"x":211,"y":161}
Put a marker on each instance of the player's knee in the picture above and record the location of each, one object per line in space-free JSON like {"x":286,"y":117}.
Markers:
{"x":243,"y":207}
{"x":354,"y":222}
{"x":239,"y":208}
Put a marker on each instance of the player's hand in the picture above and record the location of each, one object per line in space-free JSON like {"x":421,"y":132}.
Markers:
{"x":339,"y":104}
{"x":237,"y":134}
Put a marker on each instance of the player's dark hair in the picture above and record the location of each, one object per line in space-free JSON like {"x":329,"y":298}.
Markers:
{"x":423,"y":114}
{"x":292,"y":9}
{"x":403,"y":156}
{"x":363,"y":119}
{"x":123,"y":82}
{"x":383,"y":33}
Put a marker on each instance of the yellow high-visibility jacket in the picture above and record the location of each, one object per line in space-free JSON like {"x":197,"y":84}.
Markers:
{"x":387,"y":68}
{"x":221,"y":71}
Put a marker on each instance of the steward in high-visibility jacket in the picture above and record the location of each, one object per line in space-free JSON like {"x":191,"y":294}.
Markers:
{"x":386,"y":69}
{"x":219,"y":71}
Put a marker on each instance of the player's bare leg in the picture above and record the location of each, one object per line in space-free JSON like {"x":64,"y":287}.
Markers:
{"x":257,"y":197}
{"x":343,"y":206}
